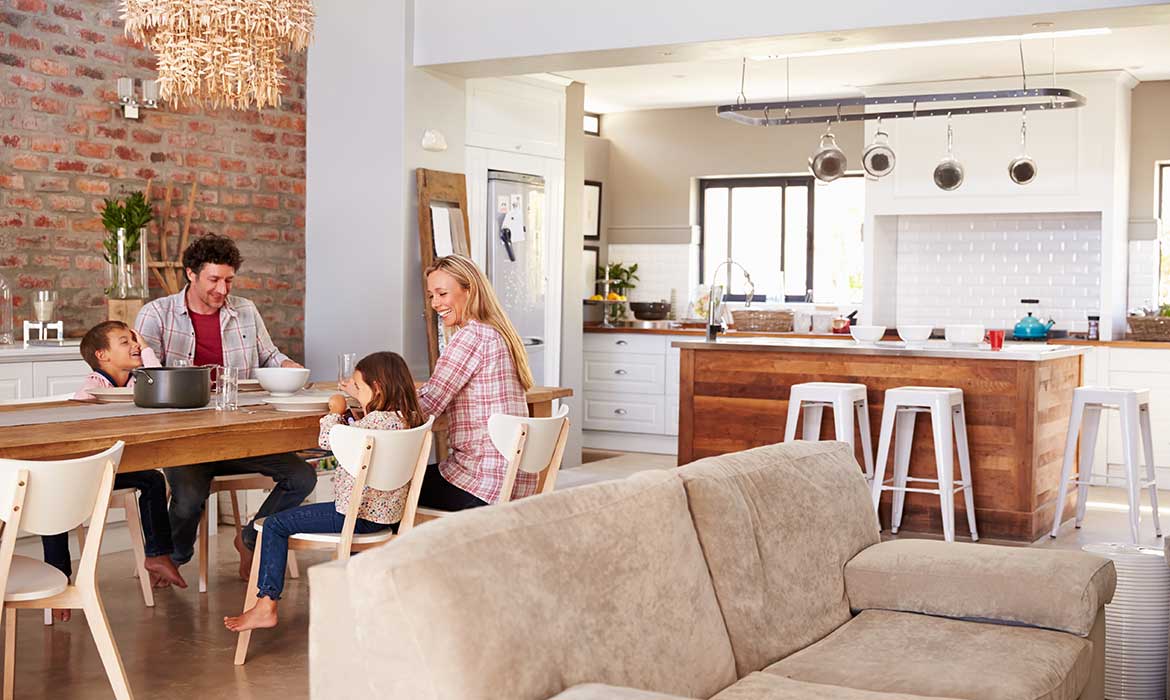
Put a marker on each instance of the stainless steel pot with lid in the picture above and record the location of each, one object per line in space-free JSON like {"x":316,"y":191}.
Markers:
{"x":172,"y":387}
{"x":829,"y":162}
{"x":878,"y":158}
{"x":948,"y":174}
{"x":1022,"y":169}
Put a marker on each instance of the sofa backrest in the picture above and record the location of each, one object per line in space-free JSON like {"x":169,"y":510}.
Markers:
{"x":603,"y":583}
{"x":777,"y":525}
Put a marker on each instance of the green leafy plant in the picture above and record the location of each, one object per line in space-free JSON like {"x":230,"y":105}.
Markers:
{"x":621,"y":279}
{"x":132,"y":215}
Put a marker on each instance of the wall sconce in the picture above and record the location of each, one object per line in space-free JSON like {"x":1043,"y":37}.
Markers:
{"x":130,"y":103}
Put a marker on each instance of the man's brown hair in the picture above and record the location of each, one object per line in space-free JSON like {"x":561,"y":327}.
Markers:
{"x":98,"y":338}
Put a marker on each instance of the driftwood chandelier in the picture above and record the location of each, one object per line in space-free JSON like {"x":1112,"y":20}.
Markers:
{"x":222,"y":53}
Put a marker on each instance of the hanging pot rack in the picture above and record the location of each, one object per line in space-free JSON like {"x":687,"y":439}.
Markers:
{"x":993,"y":101}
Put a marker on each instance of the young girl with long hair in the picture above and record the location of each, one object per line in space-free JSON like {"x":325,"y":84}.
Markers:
{"x":384,"y":387}
{"x":483,"y":370}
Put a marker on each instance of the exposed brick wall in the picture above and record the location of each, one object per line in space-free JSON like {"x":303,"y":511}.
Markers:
{"x":63,"y":147}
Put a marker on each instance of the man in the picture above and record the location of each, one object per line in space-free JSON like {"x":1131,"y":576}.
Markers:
{"x":205,"y":325}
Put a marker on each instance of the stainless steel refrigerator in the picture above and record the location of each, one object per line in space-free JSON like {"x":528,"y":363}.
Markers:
{"x":517,"y":251}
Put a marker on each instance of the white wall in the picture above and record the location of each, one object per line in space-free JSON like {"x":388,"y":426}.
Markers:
{"x":355,"y":191}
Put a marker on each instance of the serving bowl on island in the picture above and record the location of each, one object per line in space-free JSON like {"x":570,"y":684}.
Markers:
{"x":915,"y":336}
{"x":282,"y":381}
{"x":965,"y":335}
{"x":867,"y":334}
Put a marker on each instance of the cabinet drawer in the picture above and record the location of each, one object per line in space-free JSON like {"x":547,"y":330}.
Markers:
{"x":635,"y":373}
{"x":624,"y":412}
{"x":672,"y":415}
{"x":1154,"y":360}
{"x":625,"y":342}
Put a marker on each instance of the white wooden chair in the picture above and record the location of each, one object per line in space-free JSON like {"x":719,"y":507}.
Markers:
{"x":381,"y":459}
{"x":232,"y":484}
{"x":45,"y":498}
{"x":532,"y":445}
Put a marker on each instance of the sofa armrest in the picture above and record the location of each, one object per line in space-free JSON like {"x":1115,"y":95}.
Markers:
{"x":335,"y":663}
{"x":1060,"y":590}
{"x":600,"y":691}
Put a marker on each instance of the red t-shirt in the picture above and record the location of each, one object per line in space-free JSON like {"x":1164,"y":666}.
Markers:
{"x":208,"y":338}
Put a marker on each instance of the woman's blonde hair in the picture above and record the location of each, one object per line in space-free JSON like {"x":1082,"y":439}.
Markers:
{"x":483,"y":306}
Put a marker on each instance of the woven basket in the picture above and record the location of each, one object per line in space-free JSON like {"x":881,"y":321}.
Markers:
{"x":1150,"y":327}
{"x":761,"y":320}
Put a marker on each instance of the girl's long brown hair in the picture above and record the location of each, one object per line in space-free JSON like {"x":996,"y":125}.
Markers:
{"x":390,"y":380}
{"x":483,"y":306}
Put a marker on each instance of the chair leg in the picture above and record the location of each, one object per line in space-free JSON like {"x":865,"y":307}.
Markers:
{"x":793,"y":415}
{"x":903,"y":441}
{"x":134,"y":525}
{"x":1151,"y":476}
{"x":249,"y":602}
{"x":813,"y":413}
{"x":944,"y":458}
{"x":99,"y":627}
{"x":1090,"y":429}
{"x":80,"y":537}
{"x":960,"y":416}
{"x":234,"y":494}
{"x":866,"y":441}
{"x":1075,"y":420}
{"x":843,"y":423}
{"x":294,"y":571}
{"x":1129,"y":447}
{"x":883,"y":454}
{"x":203,"y":551}
{"x":10,"y":652}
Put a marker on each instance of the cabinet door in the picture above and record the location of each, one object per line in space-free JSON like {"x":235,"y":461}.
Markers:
{"x":16,"y":380}
{"x":623,"y":372}
{"x":516,"y":116}
{"x":671,"y":415}
{"x":630,"y":413}
{"x":59,"y":377}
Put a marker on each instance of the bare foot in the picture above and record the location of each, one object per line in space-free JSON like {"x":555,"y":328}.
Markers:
{"x":163,"y":572}
{"x":62,"y":614}
{"x":245,"y":558}
{"x":262,"y":616}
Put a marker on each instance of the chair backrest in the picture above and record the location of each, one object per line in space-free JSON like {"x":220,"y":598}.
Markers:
{"x":541,"y":443}
{"x":60,"y":494}
{"x":396,"y":452}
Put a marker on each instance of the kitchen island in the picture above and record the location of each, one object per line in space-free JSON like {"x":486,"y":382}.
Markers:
{"x":733,"y":395}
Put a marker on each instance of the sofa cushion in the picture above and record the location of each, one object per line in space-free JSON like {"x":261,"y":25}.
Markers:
{"x":1061,"y":590}
{"x":901,"y":652}
{"x":603,"y":583}
{"x":600,"y":691}
{"x":768,"y":686}
{"x":777,"y":525}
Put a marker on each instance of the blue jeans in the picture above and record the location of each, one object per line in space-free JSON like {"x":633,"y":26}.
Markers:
{"x":295,"y":480}
{"x":314,"y":518}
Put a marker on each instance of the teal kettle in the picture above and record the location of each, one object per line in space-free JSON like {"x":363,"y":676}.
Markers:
{"x":1030,"y":327}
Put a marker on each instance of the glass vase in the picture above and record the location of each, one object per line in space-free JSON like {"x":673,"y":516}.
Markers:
{"x":7,"y":316}
{"x":126,"y":273}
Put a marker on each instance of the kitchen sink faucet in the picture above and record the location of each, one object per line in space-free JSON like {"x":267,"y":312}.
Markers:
{"x":714,"y":298}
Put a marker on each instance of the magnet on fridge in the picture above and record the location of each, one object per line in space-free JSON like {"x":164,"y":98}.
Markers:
{"x":515,"y":223}
{"x":517,"y":202}
{"x":502,"y":204}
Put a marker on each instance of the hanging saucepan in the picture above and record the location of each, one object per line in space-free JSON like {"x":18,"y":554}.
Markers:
{"x":878,"y":158}
{"x":948,"y":174}
{"x":1022,"y":169}
{"x":828,"y":163}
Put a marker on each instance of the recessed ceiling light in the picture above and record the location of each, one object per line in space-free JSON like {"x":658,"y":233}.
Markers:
{"x":667,"y":53}
{"x":678,"y":75}
{"x":893,"y":46}
{"x":1042,"y":25}
{"x":836,"y":39}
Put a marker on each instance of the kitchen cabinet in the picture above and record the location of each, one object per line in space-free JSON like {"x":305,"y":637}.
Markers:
{"x":35,"y":372}
{"x":58,"y":377}
{"x":16,"y":381}
{"x":516,"y":115}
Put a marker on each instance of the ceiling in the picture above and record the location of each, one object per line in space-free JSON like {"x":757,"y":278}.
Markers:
{"x":1143,"y":51}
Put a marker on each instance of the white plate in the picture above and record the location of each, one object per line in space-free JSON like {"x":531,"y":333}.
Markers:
{"x":117,"y":394}
{"x":307,"y":403}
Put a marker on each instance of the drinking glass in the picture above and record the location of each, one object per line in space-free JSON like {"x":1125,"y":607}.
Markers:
{"x":995,"y":339}
{"x":44,"y":304}
{"x":227,"y":389}
{"x":180,"y":363}
{"x":346,"y":362}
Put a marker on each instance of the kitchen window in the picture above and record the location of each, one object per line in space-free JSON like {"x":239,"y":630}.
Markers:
{"x":793,"y":234}
{"x":592,"y":124}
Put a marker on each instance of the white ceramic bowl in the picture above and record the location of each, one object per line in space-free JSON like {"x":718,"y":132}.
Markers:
{"x":965,"y":334}
{"x":282,"y":381}
{"x":914,"y":335}
{"x":867,"y":334}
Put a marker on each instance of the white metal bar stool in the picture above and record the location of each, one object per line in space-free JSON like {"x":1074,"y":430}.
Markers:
{"x":1133,"y":405}
{"x":945,"y":405}
{"x":846,"y":400}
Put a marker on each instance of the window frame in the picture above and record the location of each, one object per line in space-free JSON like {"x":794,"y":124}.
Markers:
{"x":598,"y":118}
{"x":782,"y":181}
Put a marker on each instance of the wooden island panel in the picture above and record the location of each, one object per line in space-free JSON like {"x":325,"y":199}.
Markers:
{"x":1017,"y":414}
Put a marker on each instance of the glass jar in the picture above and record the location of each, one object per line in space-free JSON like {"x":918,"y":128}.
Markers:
{"x":7,"y":316}
{"x":126,"y":270}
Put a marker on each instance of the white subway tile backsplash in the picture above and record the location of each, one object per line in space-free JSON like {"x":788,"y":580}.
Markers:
{"x":661,"y":267}
{"x":977,"y":268}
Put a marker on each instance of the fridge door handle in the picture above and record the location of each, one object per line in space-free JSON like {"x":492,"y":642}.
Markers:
{"x":530,"y":341}
{"x":506,"y":237}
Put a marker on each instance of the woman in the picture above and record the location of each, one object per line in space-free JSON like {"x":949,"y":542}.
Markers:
{"x":483,"y":370}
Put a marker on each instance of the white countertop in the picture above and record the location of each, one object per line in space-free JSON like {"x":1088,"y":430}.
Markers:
{"x":1028,"y":352}
{"x":69,"y":350}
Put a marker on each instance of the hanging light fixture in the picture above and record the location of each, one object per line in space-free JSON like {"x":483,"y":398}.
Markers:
{"x":225,"y":53}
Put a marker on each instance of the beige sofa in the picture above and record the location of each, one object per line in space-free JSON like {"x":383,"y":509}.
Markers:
{"x":753,"y":575}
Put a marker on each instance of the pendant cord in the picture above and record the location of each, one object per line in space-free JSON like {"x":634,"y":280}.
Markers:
{"x":1023,"y":72}
{"x":742,"y":99}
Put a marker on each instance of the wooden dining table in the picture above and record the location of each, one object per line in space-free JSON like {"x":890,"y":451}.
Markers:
{"x":177,"y":438}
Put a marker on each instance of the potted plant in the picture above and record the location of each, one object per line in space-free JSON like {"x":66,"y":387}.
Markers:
{"x":125,"y":246}
{"x":621,"y":281}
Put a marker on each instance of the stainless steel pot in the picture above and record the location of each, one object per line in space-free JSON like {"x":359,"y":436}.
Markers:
{"x":878,"y":158}
{"x":172,"y":387}
{"x":948,"y":174}
{"x":1022,"y":169}
{"x":829,"y":162}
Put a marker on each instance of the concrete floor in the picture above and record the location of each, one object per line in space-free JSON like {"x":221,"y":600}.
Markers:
{"x":180,"y":649}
